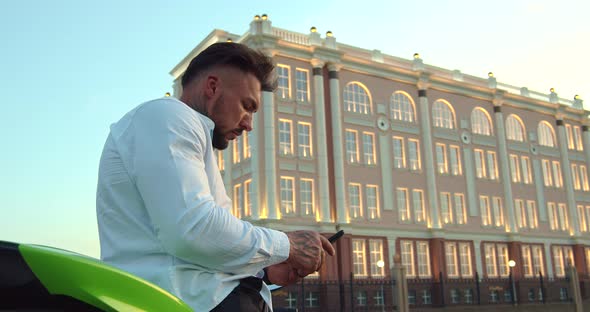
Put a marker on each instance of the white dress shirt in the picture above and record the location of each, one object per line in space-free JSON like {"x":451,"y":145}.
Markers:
{"x":163,"y":213}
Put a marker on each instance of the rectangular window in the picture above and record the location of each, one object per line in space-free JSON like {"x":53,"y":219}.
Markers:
{"x":553,"y":216}
{"x":465,"y":257}
{"x":369,"y":154}
{"x":527,"y":261}
{"x":373,"y":201}
{"x":578,"y":138}
{"x":237,"y":150}
{"x":247,"y":198}
{"x":502,"y":260}
{"x":446,"y":211}
{"x":547,"y":178}
{"x":576,"y":177}
{"x":514,"y":168}
{"x":402,"y":204}
{"x":498,"y":211}
{"x":354,"y":200}
{"x":220,"y":163}
{"x":584,"y":178}
{"x":460,"y":213}
{"x":563,"y":217}
{"x":302,"y":84}
{"x":285,"y":137}
{"x":451,"y":257}
{"x":520,"y":213}
{"x":407,"y":251}
{"x":480,"y":165}
{"x":492,"y":165}
{"x":441,"y":159}
{"x":562,"y":257}
{"x":570,"y":137}
{"x":582,"y":218}
{"x":399,"y":157}
{"x":531,"y":208}
{"x":283,"y":81}
{"x":376,"y":250}
{"x":490,"y":256}
{"x":538,"y":263}
{"x":304,"y":139}
{"x":237,"y":201}
{"x":359,"y":263}
{"x":557,"y":174}
{"x":247,"y":150}
{"x":527,"y":177}
{"x":287,"y":195}
{"x":414,"y":151}
{"x":423,"y":259}
{"x":587,"y":252}
{"x":306,"y":197}
{"x":486,"y":214}
{"x":352,"y":150}
{"x":418,"y":202}
{"x":456,"y":168}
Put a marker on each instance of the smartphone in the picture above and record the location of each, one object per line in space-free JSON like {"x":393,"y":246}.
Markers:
{"x":336,"y":236}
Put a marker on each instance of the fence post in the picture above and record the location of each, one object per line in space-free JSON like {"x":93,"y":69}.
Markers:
{"x":351,"y":292}
{"x":302,"y":297}
{"x":575,"y":286}
{"x":542,"y":288}
{"x":477,"y":288}
{"x":442,"y":289}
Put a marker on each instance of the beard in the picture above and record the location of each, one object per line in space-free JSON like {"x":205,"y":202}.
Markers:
{"x":219,"y":141}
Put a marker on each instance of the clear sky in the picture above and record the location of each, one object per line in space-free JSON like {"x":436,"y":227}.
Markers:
{"x":68,"y":69}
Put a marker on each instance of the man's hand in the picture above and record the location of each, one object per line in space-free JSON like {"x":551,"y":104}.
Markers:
{"x":282,"y":274}
{"x":306,"y":253}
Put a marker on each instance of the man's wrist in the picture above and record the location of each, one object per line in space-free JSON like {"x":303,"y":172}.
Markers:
{"x":265,"y":278}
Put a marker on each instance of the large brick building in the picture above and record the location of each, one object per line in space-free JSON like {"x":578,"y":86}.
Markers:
{"x":456,"y":174}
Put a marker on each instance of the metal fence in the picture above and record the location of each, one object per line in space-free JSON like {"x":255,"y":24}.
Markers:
{"x":378,"y":294}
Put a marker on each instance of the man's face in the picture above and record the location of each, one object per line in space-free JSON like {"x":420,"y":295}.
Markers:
{"x":237,"y":101}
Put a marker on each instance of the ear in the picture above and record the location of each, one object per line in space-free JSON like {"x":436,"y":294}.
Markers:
{"x":211,"y":86}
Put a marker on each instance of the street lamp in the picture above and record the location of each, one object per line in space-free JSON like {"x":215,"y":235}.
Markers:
{"x":381,"y":264}
{"x":512,"y":264}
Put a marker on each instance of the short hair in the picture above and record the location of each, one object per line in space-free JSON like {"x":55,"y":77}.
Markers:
{"x":234,"y":55}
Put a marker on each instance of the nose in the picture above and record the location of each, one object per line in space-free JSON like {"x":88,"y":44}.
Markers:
{"x":246,"y":122}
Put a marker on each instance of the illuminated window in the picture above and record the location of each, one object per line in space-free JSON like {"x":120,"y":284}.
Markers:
{"x":443,"y":115}
{"x":237,"y":201}
{"x":525,"y":164}
{"x":576,"y":177}
{"x":514,"y":168}
{"x":414,"y":153}
{"x":531,"y":208}
{"x":465,"y":258}
{"x":446,"y":211}
{"x":587,"y":252}
{"x":354,"y":200}
{"x":356,"y":98}
{"x":376,"y":250}
{"x":527,"y":261}
{"x":546,"y":134}
{"x":407,"y":251}
{"x":372,"y":192}
{"x":492,"y":166}
{"x":220,"y":163}
{"x":496,"y":258}
{"x":520,"y":213}
{"x":302,"y":85}
{"x":547,"y":177}
{"x":402,"y":107}
{"x":584,"y":178}
{"x":481,"y":122}
{"x":498,"y":211}
{"x":369,"y":155}
{"x":399,"y":157}
{"x":563,"y":256}
{"x":515,"y":129}
{"x":553,"y":216}
{"x":304,"y":139}
{"x":578,"y":138}
{"x":287,"y":195}
{"x":441,"y":159}
{"x":418,"y":205}
{"x":557,"y":174}
{"x":490,"y":258}
{"x":423,"y":252}
{"x":458,"y":256}
{"x":538,"y":262}
{"x":582,"y":219}
{"x":570,"y":137}
{"x":246,"y":144}
{"x":502,"y":259}
{"x":403,"y":205}
{"x":306,"y":196}
{"x":237,"y":150}
{"x":456,"y":168}
{"x":451,"y":257}
{"x":352,"y":150}
{"x":285,"y":137}
{"x":460,"y":213}
{"x":247,"y":198}
{"x":359,"y":263}
{"x":486,"y":213}
{"x":283,"y":81}
{"x":563,"y":217}
{"x":480,"y":165}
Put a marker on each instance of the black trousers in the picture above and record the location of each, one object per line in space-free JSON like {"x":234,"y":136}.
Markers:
{"x":244,"y":298}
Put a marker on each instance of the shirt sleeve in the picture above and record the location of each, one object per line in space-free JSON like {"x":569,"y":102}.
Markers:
{"x":167,"y":145}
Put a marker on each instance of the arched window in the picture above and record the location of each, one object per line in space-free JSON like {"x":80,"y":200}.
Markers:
{"x":481,"y":123}
{"x":357,"y":98}
{"x":546,"y":134}
{"x":402,"y":107}
{"x":443,"y":115}
{"x":515,"y":130}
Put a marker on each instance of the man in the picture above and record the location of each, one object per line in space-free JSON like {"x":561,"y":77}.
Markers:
{"x":162,"y":210}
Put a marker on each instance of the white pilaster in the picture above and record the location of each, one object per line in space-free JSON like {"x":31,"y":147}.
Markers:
{"x":255,"y":165}
{"x":338,"y":143}
{"x":270,"y":160}
{"x":566,"y":171}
